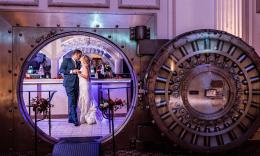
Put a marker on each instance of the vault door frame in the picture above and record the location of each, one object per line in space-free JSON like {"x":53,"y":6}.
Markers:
{"x":8,"y":107}
{"x":28,"y":41}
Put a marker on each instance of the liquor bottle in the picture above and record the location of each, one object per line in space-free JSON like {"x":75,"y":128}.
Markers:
{"x":92,"y":70}
{"x":102,"y":69}
{"x":41,"y":71}
{"x":96,"y":75}
{"x":30,"y":70}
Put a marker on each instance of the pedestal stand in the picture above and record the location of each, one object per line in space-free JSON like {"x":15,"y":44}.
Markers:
{"x":108,"y":113}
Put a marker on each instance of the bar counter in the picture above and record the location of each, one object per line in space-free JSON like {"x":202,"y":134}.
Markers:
{"x":118,"y":88}
{"x":60,"y":81}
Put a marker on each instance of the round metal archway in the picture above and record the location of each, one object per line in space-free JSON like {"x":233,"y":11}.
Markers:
{"x":22,"y":106}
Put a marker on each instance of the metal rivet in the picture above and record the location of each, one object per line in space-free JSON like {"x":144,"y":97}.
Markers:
{"x":15,"y":74}
{"x":9,"y":31}
{"x":32,"y":45}
{"x":58,"y":25}
{"x":17,"y":24}
{"x":95,"y":30}
{"x":122,"y":46}
{"x":10,"y":129}
{"x":10,"y":91}
{"x":109,"y":36}
{"x":78,"y":25}
{"x":61,"y":29}
{"x":97,"y":25}
{"x":9,"y":51}
{"x":38,"y":25}
{"x":117,"y":26}
{"x":162,"y":134}
{"x":9,"y":71}
{"x":20,"y":34}
{"x":21,"y":59}
{"x":132,"y":59}
{"x":153,"y":121}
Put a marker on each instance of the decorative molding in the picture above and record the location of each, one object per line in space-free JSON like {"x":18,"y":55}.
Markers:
{"x":257,"y":6}
{"x":20,"y":2}
{"x":47,"y":36}
{"x":123,"y":4}
{"x":86,"y":3}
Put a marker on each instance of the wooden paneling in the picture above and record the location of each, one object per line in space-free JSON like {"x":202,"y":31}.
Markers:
{"x":80,"y":3}
{"x":139,"y":4}
{"x":20,"y":2}
{"x":257,"y":6}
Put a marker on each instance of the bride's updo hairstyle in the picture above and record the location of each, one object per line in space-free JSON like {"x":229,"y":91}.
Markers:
{"x":85,"y":59}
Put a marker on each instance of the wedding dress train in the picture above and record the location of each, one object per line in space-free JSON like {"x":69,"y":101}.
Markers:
{"x":88,"y":108}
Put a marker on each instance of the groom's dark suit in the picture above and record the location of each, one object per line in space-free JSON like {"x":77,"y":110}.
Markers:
{"x":71,"y":84}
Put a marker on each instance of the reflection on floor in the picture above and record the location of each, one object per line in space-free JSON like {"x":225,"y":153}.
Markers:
{"x":61,"y":128}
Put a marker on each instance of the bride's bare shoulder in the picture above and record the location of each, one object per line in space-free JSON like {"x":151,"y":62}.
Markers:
{"x":84,"y":67}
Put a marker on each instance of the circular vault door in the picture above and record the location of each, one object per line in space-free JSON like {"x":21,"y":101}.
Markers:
{"x":204,"y":90}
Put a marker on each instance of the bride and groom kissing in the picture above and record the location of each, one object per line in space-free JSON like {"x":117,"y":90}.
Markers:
{"x":76,"y":73}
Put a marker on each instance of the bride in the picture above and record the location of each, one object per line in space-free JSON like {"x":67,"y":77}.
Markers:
{"x":89,"y":113}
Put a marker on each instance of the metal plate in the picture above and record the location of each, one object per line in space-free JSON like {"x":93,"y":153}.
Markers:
{"x":203,"y":89}
{"x":6,"y":74}
{"x":87,"y":20}
{"x":23,"y":32}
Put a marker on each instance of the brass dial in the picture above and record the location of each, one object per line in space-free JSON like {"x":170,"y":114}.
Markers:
{"x":203,"y":89}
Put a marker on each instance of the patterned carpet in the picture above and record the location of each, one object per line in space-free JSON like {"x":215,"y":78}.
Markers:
{"x":250,"y":148}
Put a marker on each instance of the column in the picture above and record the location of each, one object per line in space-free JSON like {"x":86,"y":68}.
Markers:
{"x":229,"y":16}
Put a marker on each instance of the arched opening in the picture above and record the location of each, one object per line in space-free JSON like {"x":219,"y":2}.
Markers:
{"x":111,"y":76}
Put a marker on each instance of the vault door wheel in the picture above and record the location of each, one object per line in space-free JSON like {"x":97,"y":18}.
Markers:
{"x":204,"y":90}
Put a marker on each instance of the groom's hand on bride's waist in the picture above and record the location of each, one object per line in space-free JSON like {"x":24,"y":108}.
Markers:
{"x":74,"y":71}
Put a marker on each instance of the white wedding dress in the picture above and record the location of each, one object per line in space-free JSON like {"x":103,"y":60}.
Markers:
{"x":88,"y":109}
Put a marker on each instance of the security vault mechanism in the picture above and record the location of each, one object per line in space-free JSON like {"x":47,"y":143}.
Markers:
{"x":203,"y":88}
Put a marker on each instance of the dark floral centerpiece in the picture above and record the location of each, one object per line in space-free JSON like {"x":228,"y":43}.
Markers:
{"x":108,"y":71}
{"x":107,"y":105}
{"x":40,"y":106}
{"x":107,"y":68}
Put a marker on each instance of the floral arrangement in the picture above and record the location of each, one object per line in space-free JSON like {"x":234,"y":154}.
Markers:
{"x":110,"y":105}
{"x":107,"y":68}
{"x":117,"y":104}
{"x":40,"y":105}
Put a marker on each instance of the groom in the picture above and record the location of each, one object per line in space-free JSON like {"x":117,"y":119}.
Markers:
{"x":70,"y":68}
